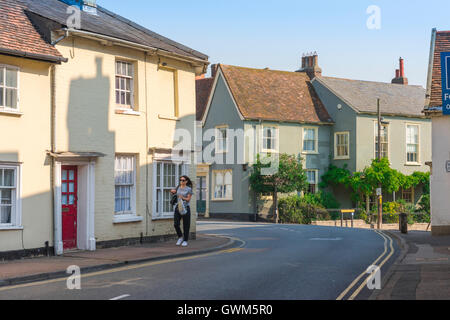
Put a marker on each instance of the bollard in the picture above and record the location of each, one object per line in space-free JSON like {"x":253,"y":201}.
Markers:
{"x":403,"y":221}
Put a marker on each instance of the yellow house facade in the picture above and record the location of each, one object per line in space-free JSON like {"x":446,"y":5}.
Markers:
{"x":113,"y":111}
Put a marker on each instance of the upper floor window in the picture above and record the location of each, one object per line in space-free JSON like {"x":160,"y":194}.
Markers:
{"x":412,"y":143}
{"x":310,"y":140}
{"x":9,"y":196}
{"x":124,"y":84}
{"x":384,"y":141}
{"x":269,"y":139}
{"x":341,"y":145}
{"x":9,"y":87}
{"x":221,"y":139}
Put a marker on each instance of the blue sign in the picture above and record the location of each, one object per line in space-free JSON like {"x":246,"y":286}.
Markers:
{"x":445,"y":70}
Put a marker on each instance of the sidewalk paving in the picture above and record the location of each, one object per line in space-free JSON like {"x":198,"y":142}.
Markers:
{"x":422,"y":272}
{"x":43,"y":268}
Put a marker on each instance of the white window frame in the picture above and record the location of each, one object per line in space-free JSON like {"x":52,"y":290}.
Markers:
{"x":120,"y":106}
{"x":16,"y":211}
{"x":213,"y":190}
{"x":375,"y":130}
{"x":219,"y":138}
{"x":275,"y":138}
{"x":336,"y":155}
{"x":123,"y":215}
{"x":418,"y":143}
{"x":5,"y":109}
{"x":316,"y":140}
{"x":180,"y":170}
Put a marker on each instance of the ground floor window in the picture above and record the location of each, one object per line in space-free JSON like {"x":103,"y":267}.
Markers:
{"x":407,"y":195}
{"x":9,"y":195}
{"x":223,"y":184}
{"x":167,"y":178}
{"x":313,"y":180}
{"x":125,"y":185}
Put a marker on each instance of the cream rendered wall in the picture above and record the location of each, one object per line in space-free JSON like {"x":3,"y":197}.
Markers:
{"x":25,"y":139}
{"x":365,"y":140}
{"x":440,"y":178}
{"x":86,"y":94}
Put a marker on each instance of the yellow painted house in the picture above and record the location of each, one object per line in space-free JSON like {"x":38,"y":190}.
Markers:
{"x":93,"y":130}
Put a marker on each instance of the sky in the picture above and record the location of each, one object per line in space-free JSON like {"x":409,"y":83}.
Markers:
{"x":275,"y":34}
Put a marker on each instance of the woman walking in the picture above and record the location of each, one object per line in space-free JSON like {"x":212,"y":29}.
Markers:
{"x":183,"y":210}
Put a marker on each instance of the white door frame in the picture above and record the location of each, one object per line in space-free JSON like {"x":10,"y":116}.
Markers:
{"x":86,"y":186}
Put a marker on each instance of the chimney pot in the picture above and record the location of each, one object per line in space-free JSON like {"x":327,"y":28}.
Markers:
{"x":402,"y":68}
{"x":214,"y":70}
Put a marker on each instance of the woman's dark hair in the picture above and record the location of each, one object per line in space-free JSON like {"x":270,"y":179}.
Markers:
{"x":188,"y":181}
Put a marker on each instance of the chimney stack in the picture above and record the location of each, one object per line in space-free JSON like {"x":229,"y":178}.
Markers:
{"x":310,"y":65}
{"x":214,"y":70}
{"x":400,"y":77}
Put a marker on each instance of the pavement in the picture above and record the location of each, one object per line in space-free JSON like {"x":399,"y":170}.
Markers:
{"x":44,"y":268}
{"x":421,"y":272}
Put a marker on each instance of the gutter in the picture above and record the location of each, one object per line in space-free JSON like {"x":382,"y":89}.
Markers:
{"x":33,"y":56}
{"x":133,"y":45}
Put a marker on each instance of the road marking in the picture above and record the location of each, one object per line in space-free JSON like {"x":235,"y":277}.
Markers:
{"x":126,"y":268}
{"x":325,"y":239}
{"x":344,"y":293}
{"x":120,"y":297}
{"x":355,"y":294}
{"x":233,"y":250}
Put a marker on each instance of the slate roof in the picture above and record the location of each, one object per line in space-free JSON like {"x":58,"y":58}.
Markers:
{"x":442,"y":44}
{"x":19,"y":37}
{"x":395,"y":99}
{"x":203,"y":89}
{"x":109,"y":24}
{"x":263,"y":94}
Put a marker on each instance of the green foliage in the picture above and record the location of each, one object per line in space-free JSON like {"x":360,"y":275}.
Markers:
{"x":296,"y":209}
{"x":322,"y":199}
{"x":366,"y":182}
{"x":289,"y":177}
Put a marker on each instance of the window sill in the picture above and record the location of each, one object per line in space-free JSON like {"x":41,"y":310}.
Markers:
{"x":10,"y":228}
{"x":270,"y":151}
{"x":168,"y":118}
{"x":127,"y":218}
{"x":163,"y":217}
{"x":222,"y":200}
{"x":342,"y":158}
{"x":310,"y":152}
{"x":413,"y":164}
{"x":127,"y":111}
{"x":11,"y":112}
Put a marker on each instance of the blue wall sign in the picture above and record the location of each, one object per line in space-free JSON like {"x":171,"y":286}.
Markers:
{"x":445,"y":70}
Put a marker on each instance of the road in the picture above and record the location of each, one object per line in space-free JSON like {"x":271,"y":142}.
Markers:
{"x":272,"y":262}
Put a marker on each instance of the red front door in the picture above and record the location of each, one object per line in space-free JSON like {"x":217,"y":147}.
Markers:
{"x":69,"y":201}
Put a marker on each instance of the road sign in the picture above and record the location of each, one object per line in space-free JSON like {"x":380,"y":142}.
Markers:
{"x":379,"y":192}
{"x":445,"y":71}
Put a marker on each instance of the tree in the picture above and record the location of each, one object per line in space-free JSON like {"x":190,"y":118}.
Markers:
{"x":289,"y":177}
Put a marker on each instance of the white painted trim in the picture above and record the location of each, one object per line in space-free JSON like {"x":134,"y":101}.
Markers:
{"x":211,"y":95}
{"x":16,"y":208}
{"x":417,"y":163}
{"x":216,"y":140}
{"x":316,"y":151}
{"x":277,"y":138}
{"x":57,"y":232}
{"x":336,"y":157}
{"x":11,"y":110}
{"x":126,"y":218}
{"x":213,"y":179}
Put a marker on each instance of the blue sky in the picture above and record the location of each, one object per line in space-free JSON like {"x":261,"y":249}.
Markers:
{"x":274,"y":34}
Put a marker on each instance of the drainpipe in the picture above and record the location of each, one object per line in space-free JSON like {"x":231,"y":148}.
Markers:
{"x":52,"y":148}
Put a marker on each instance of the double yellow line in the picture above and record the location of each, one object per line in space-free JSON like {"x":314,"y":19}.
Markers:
{"x":366,"y":281}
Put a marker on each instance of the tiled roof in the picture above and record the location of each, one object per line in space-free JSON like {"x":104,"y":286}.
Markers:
{"x":110,"y":24}
{"x":395,"y":99}
{"x":265,"y":94}
{"x":19,"y":37}
{"x":203,"y":89}
{"x":442,"y":45}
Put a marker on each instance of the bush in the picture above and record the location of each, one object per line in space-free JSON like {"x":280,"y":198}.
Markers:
{"x":295,"y":209}
{"x":322,"y":199}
